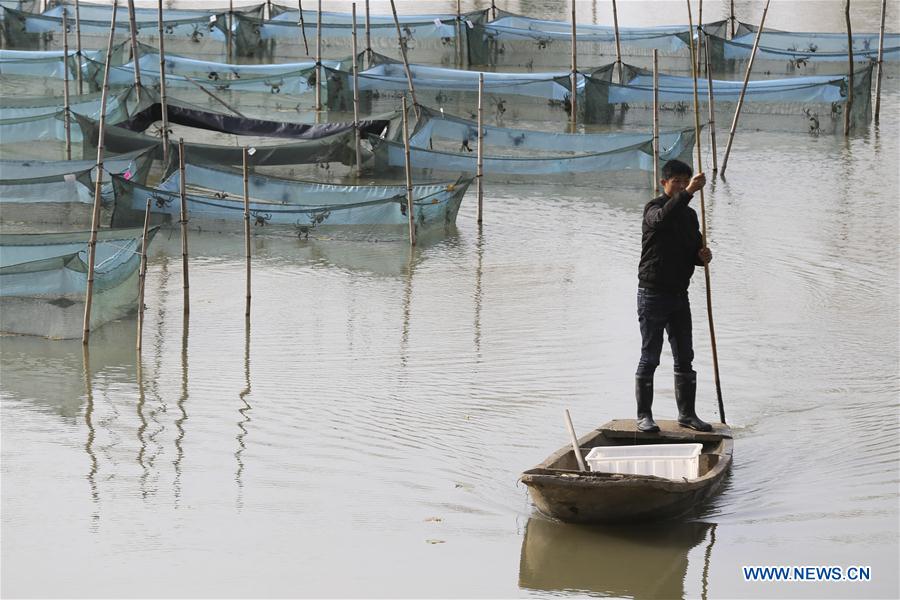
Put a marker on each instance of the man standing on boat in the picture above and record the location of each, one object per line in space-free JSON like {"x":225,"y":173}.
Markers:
{"x":671,"y":246}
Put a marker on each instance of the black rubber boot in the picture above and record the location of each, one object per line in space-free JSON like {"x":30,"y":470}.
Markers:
{"x":685,"y":398}
{"x":643,"y":391}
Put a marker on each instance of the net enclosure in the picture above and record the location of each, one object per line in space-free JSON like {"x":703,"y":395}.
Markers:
{"x":43,"y":278}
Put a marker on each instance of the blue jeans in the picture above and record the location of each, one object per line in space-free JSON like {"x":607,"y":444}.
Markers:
{"x":658,"y":311}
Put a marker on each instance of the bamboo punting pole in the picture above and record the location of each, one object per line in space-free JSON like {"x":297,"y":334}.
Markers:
{"x":78,"y":47}
{"x":849,"y":104}
{"x":573,"y":76}
{"x":213,"y":96}
{"x":303,"y":28}
{"x":479,"y":169}
{"x":712,"y":108}
{"x":709,"y":311}
{"x":134,"y":49}
{"x":247,"y":225}
{"x":162,"y":85}
{"x":142,"y":278}
{"x":574,"y":439}
{"x":656,"y":120}
{"x":184,"y":224}
{"x":368,"y":38}
{"x":356,"y":141}
{"x":880,"y":62}
{"x":409,"y":188}
{"x":98,"y":184}
{"x":737,"y":110}
{"x":67,"y":109}
{"x":412,"y":89}
{"x":618,"y":44}
{"x":319,"y":58}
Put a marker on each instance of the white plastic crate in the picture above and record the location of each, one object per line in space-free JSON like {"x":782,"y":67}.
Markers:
{"x":672,"y":461}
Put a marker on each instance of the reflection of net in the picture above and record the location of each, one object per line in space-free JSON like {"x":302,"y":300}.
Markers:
{"x":814,"y":103}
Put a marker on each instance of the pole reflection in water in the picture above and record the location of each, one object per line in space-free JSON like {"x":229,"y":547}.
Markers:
{"x":407,"y":307}
{"x":479,"y":252}
{"x":142,"y":399}
{"x":245,"y":416}
{"x":640,"y":562}
{"x":182,"y":400}
{"x":91,"y":434}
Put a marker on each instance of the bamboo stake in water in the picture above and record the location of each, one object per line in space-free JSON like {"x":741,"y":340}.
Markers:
{"x":368,"y":38}
{"x":479,"y":169}
{"x":656,"y":120}
{"x":712,"y":108}
{"x":134,"y":49}
{"x":356,"y":98}
{"x":849,"y":104}
{"x":412,"y":90}
{"x":409,"y":189}
{"x":319,"y":58}
{"x":618,"y":44}
{"x":574,"y":439}
{"x":184,"y":224}
{"x":459,"y":34}
{"x":737,"y":110}
{"x":303,"y":28}
{"x":228,"y":37}
{"x":709,"y":311}
{"x":493,"y":10}
{"x":142,"y":277}
{"x":98,"y":184}
{"x":78,"y":47}
{"x":732,"y":19}
{"x":573,"y":76}
{"x":67,"y":110}
{"x":880,"y":62}
{"x":162,"y":85}
{"x":247,"y":225}
{"x":699,"y":36}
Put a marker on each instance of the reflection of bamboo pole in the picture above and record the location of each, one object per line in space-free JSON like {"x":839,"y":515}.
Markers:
{"x":709,"y":311}
{"x":737,"y":110}
{"x":78,"y":47}
{"x":880,"y":62}
{"x":184,"y":223}
{"x":98,"y":184}
{"x":479,"y":170}
{"x":409,"y":189}
{"x":319,"y":58}
{"x":162,"y":86}
{"x":656,"y":120}
{"x":712,"y":108}
{"x":247,"y":226}
{"x":618,"y":43}
{"x":573,"y":76}
{"x":356,"y":98}
{"x":849,"y":104}
{"x":412,"y":90}
{"x":134,"y":49}
{"x":142,"y":278}
{"x":67,"y":109}
{"x":303,"y":28}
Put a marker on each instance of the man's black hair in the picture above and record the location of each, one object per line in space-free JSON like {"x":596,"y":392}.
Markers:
{"x":674,"y":168}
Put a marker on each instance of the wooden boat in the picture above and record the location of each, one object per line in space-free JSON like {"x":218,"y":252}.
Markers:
{"x":560,"y":490}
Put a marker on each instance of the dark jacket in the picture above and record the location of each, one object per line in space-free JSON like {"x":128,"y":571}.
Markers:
{"x":669,"y":245}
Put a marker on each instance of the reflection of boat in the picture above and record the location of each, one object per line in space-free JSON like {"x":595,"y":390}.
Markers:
{"x":560,"y":490}
{"x":43,"y":277}
{"x":648,"y":562}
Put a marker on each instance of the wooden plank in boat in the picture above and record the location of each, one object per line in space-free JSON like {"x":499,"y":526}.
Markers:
{"x":627,"y":429}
